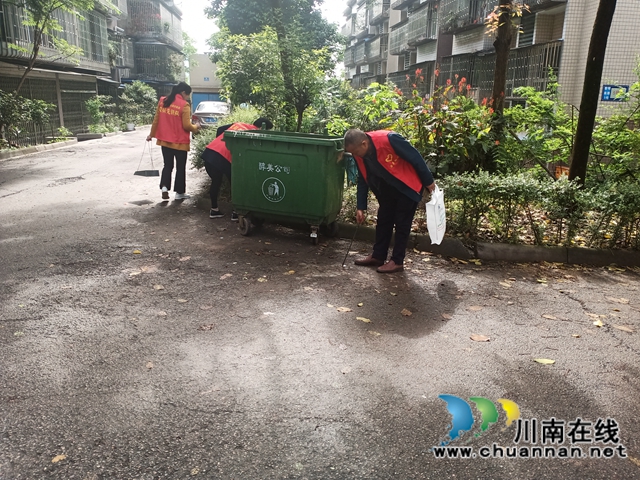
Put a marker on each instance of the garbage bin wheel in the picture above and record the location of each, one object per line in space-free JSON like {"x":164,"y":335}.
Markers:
{"x":314,"y":234}
{"x":332,"y":229}
{"x":245,"y":225}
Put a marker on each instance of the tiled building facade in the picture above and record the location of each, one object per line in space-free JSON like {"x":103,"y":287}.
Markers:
{"x":390,"y":39}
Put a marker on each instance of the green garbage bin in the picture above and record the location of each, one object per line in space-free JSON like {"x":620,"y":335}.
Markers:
{"x":286,"y":177}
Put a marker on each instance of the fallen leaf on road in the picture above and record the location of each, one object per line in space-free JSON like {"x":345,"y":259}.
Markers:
{"x":618,"y":300}
{"x":262,"y":280}
{"x":624,"y":328}
{"x":594,"y":315}
{"x":505,"y":284}
{"x":133,"y":274}
{"x":598,"y":323}
{"x":394,"y":294}
{"x":194,"y":472}
{"x":137,"y":252}
{"x":206,"y":307}
{"x":361,"y":304}
{"x":549,"y":317}
{"x":406,"y":312}
{"x":226,"y":275}
{"x":329,"y":305}
{"x":182,"y":300}
{"x":150,"y":365}
{"x":166,"y":239}
{"x":162,"y":314}
{"x":426,"y":259}
{"x":290,"y":272}
{"x":475,"y":308}
{"x":544,"y":361}
{"x":19,"y":334}
{"x":541,"y":280}
{"x":575,"y":335}
{"x":476,"y":261}
{"x":446,"y":316}
{"x":58,"y":458}
{"x":375,"y":334}
{"x":616,"y":309}
{"x":636,"y":461}
{"x":206,"y":327}
{"x":184,"y":259}
{"x":342,"y":346}
{"x":344,"y":309}
{"x":308,"y":289}
{"x":479,"y":338}
{"x":267,"y":243}
{"x":158,"y":287}
{"x":363,"y":319}
{"x":346,"y":370}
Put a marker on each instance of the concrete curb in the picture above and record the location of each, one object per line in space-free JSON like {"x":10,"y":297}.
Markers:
{"x":22,"y":152}
{"x":499,"y":252}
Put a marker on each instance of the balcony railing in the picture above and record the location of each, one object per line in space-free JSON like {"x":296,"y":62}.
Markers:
{"x":347,"y":29}
{"x":379,"y":11}
{"x":360,"y":25}
{"x":362,"y":80}
{"x":406,"y":79}
{"x":423,"y":26}
{"x":527,"y":67}
{"x":378,"y":49}
{"x":360,"y":53}
{"x":459,"y":15}
{"x":349,"y":59}
{"x":398,"y":39}
{"x":398,"y":4}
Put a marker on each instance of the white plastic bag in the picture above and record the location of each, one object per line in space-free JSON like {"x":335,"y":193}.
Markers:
{"x":436,"y":216}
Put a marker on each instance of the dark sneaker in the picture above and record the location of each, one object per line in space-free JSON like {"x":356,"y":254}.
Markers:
{"x":215,"y":213}
{"x":234,"y":217}
{"x":165,"y":193}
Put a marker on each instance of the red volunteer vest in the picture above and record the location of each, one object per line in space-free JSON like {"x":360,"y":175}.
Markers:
{"x":170,"y":127}
{"x":389,"y":159}
{"x":218,"y":144}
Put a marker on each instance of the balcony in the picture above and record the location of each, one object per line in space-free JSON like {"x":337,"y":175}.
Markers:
{"x":398,"y":39}
{"x":459,"y":15}
{"x":362,"y":80}
{"x":349,"y":59}
{"x":399,"y":4}
{"x":423,"y":26}
{"x":360,"y":27}
{"x":379,"y":11}
{"x":378,"y":49}
{"x":422,"y":81}
{"x":347,"y":29}
{"x":360,"y":54}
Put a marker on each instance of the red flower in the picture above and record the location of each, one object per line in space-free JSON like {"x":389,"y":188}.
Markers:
{"x":421,"y":78}
{"x":468,"y":87}
{"x":414,"y":85}
{"x":418,"y":71}
{"x":407,"y":77}
{"x":448,"y":81}
{"x":456,"y":76}
{"x":436,"y":72}
{"x":484,"y":101}
{"x":463,"y":80}
{"x":497,"y":142}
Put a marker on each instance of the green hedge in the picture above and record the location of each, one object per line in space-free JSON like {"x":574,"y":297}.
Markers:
{"x":526,"y":208}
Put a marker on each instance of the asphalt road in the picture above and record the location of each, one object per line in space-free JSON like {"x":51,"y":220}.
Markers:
{"x":213,"y":355}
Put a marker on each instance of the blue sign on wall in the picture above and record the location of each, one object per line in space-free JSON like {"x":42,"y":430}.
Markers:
{"x":206,"y":79}
{"x":610,"y":93}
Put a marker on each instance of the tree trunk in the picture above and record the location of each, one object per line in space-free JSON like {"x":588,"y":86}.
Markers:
{"x":37,"y":41}
{"x":299,"y":124}
{"x":285,"y":61}
{"x":591,"y":90}
{"x":502,"y":44}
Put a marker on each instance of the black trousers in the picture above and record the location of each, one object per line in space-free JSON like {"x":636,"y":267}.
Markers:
{"x":180,"y":157}
{"x":396,"y":211}
{"x":216,"y":166}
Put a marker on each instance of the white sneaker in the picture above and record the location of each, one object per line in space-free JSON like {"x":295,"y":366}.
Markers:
{"x":182,"y":196}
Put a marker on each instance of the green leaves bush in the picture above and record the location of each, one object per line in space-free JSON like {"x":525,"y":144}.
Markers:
{"x":524,"y":208}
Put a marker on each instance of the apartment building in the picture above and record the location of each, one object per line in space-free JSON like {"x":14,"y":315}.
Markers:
{"x":390,"y":39}
{"x":121,"y":41}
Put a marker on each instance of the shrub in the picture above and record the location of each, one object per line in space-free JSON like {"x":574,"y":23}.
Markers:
{"x":242,"y":114}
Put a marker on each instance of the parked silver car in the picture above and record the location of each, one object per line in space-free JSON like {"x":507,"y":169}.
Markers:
{"x":208,"y":113}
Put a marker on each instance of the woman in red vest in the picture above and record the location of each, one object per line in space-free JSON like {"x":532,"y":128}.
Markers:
{"x":397,"y":175}
{"x":172,"y":127}
{"x":217,"y":161}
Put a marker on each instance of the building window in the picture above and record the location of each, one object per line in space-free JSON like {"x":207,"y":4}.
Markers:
{"x":527,"y":27}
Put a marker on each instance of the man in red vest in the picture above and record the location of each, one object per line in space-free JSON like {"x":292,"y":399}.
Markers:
{"x":217,"y":161}
{"x":397,"y":175}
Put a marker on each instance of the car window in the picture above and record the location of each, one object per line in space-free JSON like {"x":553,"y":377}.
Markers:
{"x":213,"y":107}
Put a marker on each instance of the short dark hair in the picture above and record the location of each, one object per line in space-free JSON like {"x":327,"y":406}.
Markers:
{"x":354,"y":136}
{"x":267,"y":123}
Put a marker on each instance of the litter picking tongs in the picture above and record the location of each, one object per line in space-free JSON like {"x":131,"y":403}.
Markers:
{"x":147,"y":173}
